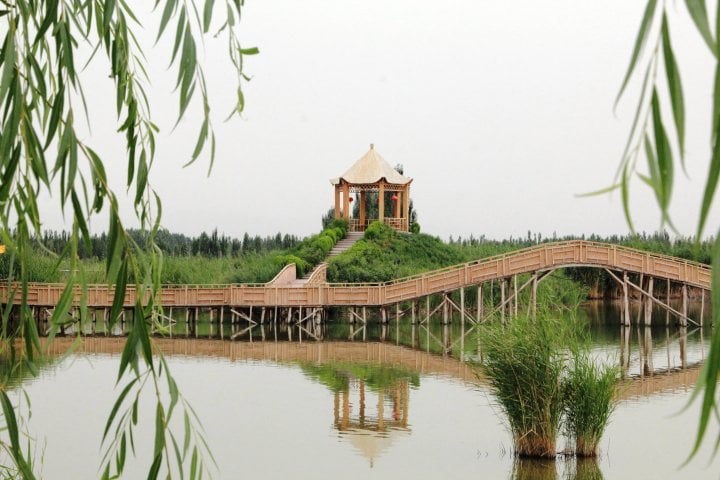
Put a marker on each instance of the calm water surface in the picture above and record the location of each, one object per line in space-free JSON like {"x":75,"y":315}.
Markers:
{"x":377,"y":402}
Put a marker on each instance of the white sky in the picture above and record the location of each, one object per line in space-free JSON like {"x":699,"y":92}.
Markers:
{"x":501,"y":112}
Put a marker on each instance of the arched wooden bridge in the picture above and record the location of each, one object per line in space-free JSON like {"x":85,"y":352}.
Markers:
{"x":538,"y":261}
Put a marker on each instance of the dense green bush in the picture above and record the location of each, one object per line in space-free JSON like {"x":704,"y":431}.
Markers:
{"x":384,"y":254}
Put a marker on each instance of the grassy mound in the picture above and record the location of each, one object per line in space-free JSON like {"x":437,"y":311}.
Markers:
{"x":384,"y":254}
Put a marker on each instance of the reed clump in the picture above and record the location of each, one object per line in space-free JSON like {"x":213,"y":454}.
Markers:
{"x":589,"y":400}
{"x":545,"y":380}
{"x":524,"y":364}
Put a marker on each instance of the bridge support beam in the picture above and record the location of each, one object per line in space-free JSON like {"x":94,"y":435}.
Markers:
{"x":683,"y":319}
{"x":626,"y":301}
{"x":502,"y":300}
{"x":648,"y":302}
{"x":480,"y":304}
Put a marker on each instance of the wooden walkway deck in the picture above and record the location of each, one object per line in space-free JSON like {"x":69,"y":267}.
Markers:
{"x":536,"y":259}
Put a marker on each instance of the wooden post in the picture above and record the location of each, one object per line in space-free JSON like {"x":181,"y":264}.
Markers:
{"x":427,"y":308}
{"x":346,"y":200}
{"x":262,"y":316}
{"x":667,"y":302}
{"x":413,"y":304}
{"x":626,"y":301}
{"x":683,"y":321}
{"x":702,"y":306}
{"x":406,"y":206}
{"x":381,"y":201}
{"x":515,"y":293}
{"x":337,"y":201}
{"x":462,"y":306}
{"x":502,"y":300}
{"x":362,"y":210}
{"x":648,"y":302}
{"x":480,"y":304}
{"x":534,"y":295}
{"x":445,"y":309}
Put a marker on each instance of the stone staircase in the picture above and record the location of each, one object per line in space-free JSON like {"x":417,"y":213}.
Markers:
{"x":339,"y":247}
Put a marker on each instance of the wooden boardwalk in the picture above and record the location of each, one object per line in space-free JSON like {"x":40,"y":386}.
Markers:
{"x":534,"y":260}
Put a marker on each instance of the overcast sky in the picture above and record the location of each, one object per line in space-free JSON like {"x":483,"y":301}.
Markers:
{"x":501,"y":112}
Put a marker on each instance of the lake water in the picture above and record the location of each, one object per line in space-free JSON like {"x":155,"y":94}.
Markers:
{"x":393,"y":401}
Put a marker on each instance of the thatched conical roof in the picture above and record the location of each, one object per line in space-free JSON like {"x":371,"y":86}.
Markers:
{"x":371,"y":168}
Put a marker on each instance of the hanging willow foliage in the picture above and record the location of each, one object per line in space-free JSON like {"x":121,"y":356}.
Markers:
{"x":41,"y":99}
{"x":663,"y":148}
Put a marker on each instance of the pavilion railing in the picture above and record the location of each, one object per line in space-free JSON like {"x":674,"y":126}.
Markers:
{"x":399,"y":224}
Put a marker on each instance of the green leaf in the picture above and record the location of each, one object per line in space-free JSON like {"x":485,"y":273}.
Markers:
{"x":710,"y":371}
{"x":9,"y":56}
{"x":711,"y":182}
{"x":698,"y":12}
{"x":116,"y":406}
{"x":159,"y":429}
{"x":207,"y":14}
{"x":167,"y":13}
{"x":250,"y":51}
{"x":626,"y":197}
{"x":664,"y":156}
{"x":142,"y":176}
{"x":639,"y":43}
{"x":675,"y":87}
{"x":108,"y":12}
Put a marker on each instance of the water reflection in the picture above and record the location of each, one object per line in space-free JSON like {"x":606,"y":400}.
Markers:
{"x":369,"y":372}
{"x":371,"y":403}
{"x":564,"y":468}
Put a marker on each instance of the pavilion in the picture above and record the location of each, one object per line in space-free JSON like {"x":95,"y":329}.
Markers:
{"x":372,"y":173}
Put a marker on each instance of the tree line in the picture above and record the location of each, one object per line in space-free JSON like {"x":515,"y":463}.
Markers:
{"x":211,"y":244}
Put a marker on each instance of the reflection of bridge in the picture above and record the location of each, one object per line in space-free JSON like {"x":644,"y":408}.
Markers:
{"x":537,"y":261}
{"x":351,"y":352}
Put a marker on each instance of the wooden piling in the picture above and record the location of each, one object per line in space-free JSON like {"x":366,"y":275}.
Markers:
{"x":626,"y":301}
{"x":683,"y":320}
{"x":648,"y":302}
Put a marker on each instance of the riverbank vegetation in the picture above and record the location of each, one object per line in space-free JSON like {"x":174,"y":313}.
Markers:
{"x":381,"y":255}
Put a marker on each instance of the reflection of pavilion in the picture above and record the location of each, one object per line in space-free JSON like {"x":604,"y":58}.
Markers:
{"x":371,"y":402}
{"x":371,"y":419}
{"x":396,"y":397}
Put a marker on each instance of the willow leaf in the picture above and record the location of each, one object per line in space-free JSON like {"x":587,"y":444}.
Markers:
{"x":116,"y":406}
{"x":698,"y":12}
{"x":710,"y":184}
{"x":9,"y":56}
{"x":207,"y":14}
{"x":675,"y":87}
{"x":664,"y":156}
{"x":710,"y":371}
{"x":639,"y":43}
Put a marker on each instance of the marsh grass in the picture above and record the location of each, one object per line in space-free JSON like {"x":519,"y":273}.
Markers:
{"x":524,"y":363}
{"x":589,"y":400}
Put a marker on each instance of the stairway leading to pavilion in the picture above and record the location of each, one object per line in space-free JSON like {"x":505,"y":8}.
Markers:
{"x":339,"y":248}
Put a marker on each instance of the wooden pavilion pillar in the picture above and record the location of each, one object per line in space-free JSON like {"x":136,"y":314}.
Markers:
{"x":406,"y":206}
{"x":337,"y":201}
{"x":362,"y":210}
{"x":346,"y":200}
{"x":396,"y":204}
{"x":381,"y":201}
